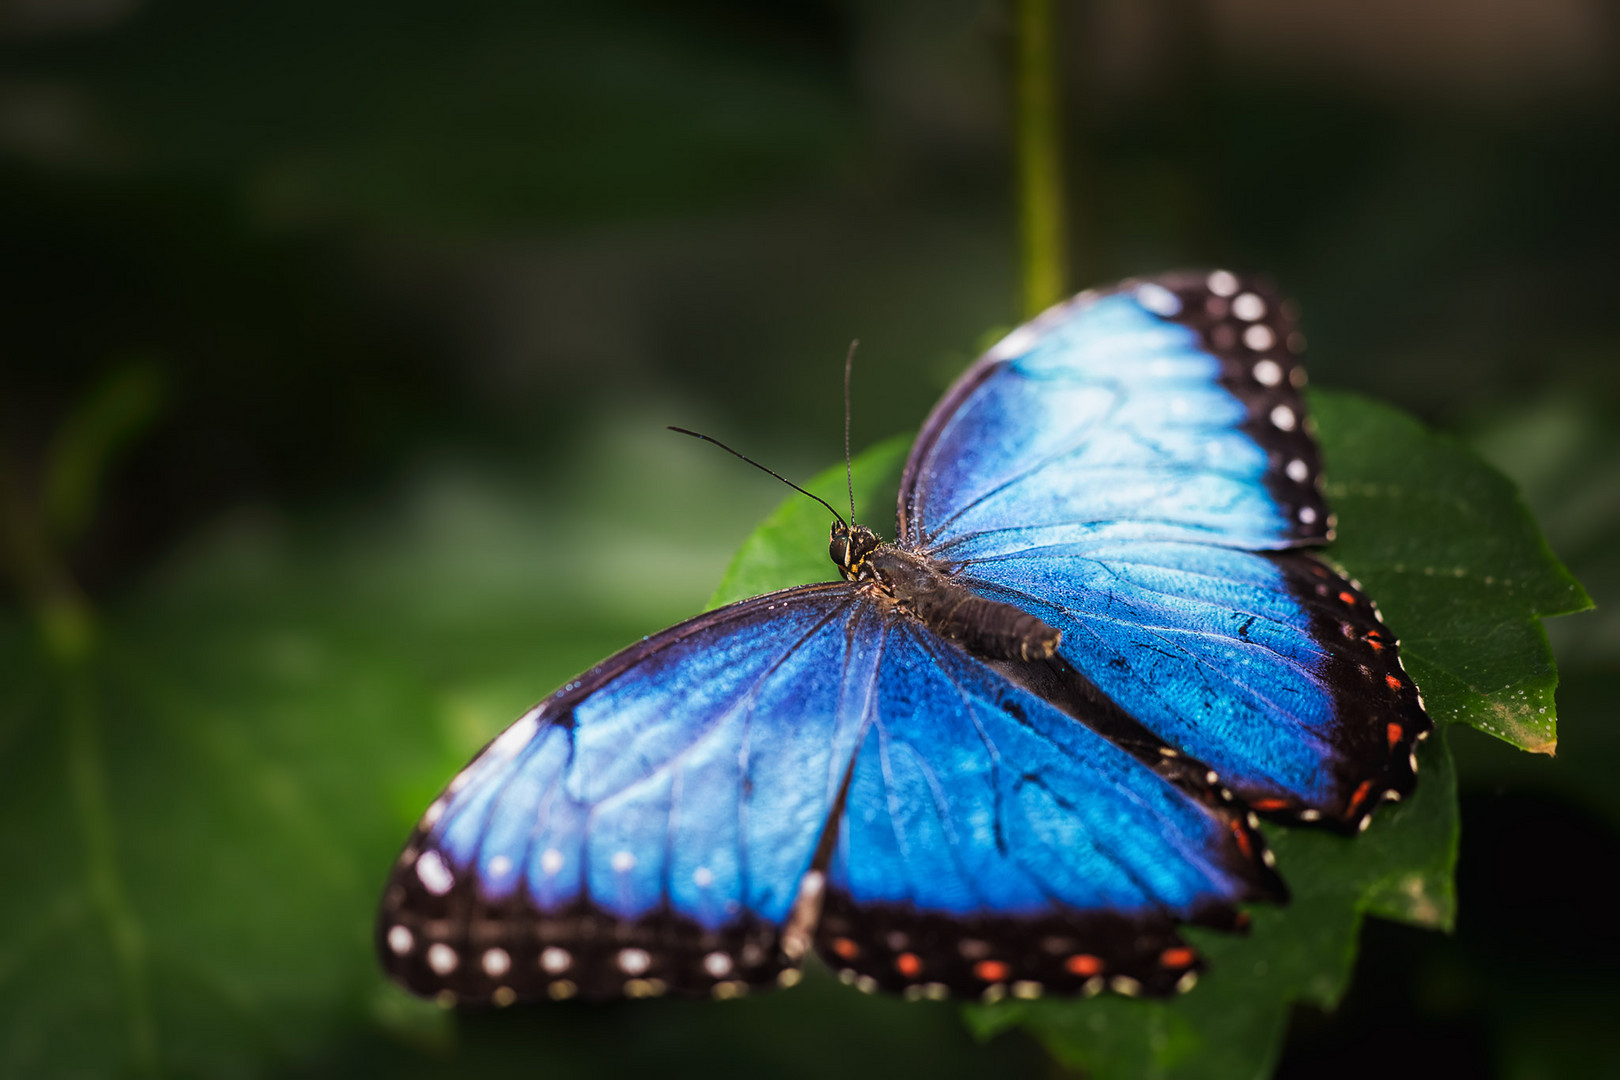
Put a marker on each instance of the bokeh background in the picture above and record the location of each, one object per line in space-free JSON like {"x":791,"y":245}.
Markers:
{"x":336,"y":344}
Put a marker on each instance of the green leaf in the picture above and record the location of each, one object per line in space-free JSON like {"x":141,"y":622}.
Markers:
{"x":790,"y":546}
{"x":1457,"y":564}
{"x":1463,"y":578}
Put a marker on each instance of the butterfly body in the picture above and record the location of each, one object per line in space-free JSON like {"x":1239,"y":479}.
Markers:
{"x":923,"y":588}
{"x":1008,"y":754}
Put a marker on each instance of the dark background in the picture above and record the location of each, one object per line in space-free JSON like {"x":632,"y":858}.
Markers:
{"x":393,"y":300}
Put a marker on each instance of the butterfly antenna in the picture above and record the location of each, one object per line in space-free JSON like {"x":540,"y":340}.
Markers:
{"x":761,"y":468}
{"x":849,"y":469}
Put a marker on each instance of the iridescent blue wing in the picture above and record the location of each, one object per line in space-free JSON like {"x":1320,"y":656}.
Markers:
{"x":1121,"y":467}
{"x":666,"y":823}
{"x":991,"y":844}
{"x":647,"y":827}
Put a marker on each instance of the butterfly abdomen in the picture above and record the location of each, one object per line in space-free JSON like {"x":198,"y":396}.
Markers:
{"x":985,"y":628}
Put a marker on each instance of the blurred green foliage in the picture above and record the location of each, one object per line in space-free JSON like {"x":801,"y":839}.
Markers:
{"x":338,"y":342}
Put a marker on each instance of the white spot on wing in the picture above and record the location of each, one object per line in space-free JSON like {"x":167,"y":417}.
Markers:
{"x":703,"y":877}
{"x":551,"y":860}
{"x":1259,"y":337}
{"x":717,"y":964}
{"x":400,"y":940}
{"x":634,"y":961}
{"x":1248,"y":307}
{"x":496,"y":963}
{"x":434,"y":874}
{"x":1283,"y":417}
{"x":555,"y":960}
{"x":623,"y":862}
{"x":1298,"y":471}
{"x":1158,"y":299}
{"x":442,"y":958}
{"x":1307,"y":515}
{"x":1222,"y":283}
{"x":1267,"y":372}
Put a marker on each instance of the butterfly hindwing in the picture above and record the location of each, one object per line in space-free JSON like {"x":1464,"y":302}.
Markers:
{"x":647,"y":827}
{"x":1269,"y":667}
{"x":992,"y":844}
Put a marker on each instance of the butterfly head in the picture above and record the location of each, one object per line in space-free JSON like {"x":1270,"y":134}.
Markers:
{"x":849,"y":546}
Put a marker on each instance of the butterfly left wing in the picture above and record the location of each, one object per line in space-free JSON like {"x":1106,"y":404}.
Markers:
{"x":990,"y":844}
{"x":647,"y":827}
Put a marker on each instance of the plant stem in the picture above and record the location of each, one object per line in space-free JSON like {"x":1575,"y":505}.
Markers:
{"x":1042,"y":220}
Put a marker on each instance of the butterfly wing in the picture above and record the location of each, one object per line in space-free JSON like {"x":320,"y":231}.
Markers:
{"x":1150,"y":410}
{"x":992,"y":845}
{"x":1135,"y":468}
{"x":678,"y":818}
{"x":647,"y":827}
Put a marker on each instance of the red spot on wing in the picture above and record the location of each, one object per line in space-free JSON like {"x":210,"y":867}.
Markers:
{"x":908,"y":965}
{"x":1241,"y":835}
{"x":1178,"y":957}
{"x":1393,"y":681}
{"x":1267,"y":805}
{"x":1349,"y":598}
{"x":846,"y":948}
{"x":1084,"y":965}
{"x":1359,"y":796}
{"x":991,"y":970}
{"x":1395,"y":732}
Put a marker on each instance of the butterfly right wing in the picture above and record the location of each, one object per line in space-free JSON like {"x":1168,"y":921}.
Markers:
{"x":647,"y":827}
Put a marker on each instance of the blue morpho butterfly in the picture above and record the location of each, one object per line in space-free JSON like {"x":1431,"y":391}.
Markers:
{"x":1006,"y":755}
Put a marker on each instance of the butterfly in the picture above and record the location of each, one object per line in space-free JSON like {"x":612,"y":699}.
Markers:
{"x":1008,"y":754}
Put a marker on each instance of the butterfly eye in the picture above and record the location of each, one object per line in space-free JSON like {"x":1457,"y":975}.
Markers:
{"x":839,"y":550}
